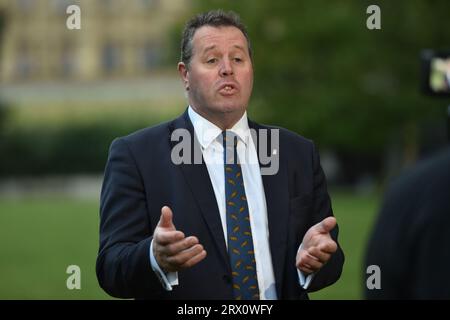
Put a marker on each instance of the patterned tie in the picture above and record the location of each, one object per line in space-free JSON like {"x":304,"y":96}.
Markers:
{"x":240,"y":243}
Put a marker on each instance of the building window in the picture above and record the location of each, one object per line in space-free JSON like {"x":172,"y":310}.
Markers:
{"x":111,"y":58}
{"x":68,"y":61}
{"x":60,"y":6}
{"x":150,"y":56}
{"x":2,"y":27}
{"x":110,"y":6}
{"x":24,"y":62}
{"x":148,"y":4}
{"x":25,"y":6}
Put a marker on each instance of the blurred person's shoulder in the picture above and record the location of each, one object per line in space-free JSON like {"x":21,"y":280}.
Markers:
{"x":422,"y":190}
{"x":428,"y":173}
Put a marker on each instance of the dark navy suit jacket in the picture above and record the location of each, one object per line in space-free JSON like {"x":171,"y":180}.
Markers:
{"x":140,"y":179}
{"x":414,"y":221}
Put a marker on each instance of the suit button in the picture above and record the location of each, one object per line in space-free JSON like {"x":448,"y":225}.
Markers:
{"x":227,"y":279}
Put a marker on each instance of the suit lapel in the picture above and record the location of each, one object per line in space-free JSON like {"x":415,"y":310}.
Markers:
{"x":277,"y":201}
{"x":197,"y":177}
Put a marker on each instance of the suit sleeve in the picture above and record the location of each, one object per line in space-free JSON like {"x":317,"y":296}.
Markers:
{"x":123,"y":263}
{"x":331,"y":271}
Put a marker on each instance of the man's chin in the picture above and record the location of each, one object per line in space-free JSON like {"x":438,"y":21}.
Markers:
{"x":231,"y":108}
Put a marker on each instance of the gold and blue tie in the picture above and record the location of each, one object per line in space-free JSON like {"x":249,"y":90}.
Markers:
{"x":239,"y":234}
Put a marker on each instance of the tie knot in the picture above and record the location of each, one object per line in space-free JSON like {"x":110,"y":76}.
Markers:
{"x":230,"y":139}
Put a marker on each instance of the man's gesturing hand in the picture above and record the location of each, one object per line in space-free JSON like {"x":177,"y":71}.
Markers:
{"x":317,"y":246}
{"x":172,"y":250}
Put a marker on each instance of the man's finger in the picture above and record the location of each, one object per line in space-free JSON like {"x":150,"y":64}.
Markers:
{"x":175,"y":248}
{"x":305,"y":261}
{"x":322,"y":256}
{"x":312,"y":262}
{"x":306,"y":270}
{"x":165,"y":221}
{"x":168,"y":237}
{"x":194,"y":260}
{"x":328,"y":247}
{"x":304,"y":267}
{"x":184,"y":256}
{"x":326,"y":225}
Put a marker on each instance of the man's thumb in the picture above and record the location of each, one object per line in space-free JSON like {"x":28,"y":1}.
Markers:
{"x":326,"y":225}
{"x":165,"y":221}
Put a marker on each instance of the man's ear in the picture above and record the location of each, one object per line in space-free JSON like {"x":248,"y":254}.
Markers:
{"x":183,"y":71}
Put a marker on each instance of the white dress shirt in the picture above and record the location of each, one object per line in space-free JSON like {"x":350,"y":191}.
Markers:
{"x":209,"y":137}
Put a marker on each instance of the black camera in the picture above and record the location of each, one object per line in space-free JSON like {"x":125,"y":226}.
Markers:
{"x":436,"y":73}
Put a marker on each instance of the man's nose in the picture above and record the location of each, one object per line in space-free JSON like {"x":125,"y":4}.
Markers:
{"x":226,"y":69}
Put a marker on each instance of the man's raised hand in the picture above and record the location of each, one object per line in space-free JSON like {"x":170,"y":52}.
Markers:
{"x":317,"y":246}
{"x":172,"y":250}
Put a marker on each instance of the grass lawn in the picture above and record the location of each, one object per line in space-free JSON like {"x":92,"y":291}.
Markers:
{"x":40,"y":238}
{"x":355,"y":215}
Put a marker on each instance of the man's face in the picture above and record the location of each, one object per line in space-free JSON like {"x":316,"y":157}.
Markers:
{"x":220,"y":74}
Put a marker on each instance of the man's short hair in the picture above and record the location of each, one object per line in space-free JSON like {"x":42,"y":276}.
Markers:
{"x":213,"y":18}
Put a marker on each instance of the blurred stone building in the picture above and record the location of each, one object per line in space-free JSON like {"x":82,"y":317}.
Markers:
{"x":118,"y":39}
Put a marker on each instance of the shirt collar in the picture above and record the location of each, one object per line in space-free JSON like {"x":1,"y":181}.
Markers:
{"x":207,"y":132}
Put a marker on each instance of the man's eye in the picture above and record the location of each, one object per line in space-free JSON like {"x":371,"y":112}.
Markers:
{"x":211,"y":61}
{"x":238,"y":59}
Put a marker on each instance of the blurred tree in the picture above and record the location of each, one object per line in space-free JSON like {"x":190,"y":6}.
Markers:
{"x":3,"y":115}
{"x":321,"y":72}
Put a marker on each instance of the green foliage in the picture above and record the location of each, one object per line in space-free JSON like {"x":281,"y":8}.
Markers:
{"x":319,"y":71}
{"x":4,"y":111}
{"x":69,"y":139}
{"x":77,"y":148}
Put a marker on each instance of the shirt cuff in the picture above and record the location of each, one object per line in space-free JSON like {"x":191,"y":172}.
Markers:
{"x":304,"y":281}
{"x":168,"y":279}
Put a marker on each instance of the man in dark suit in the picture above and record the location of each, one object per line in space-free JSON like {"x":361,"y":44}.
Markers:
{"x":180,"y":219}
{"x":411,"y":240}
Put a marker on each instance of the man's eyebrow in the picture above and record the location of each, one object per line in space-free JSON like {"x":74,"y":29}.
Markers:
{"x":209,"y":48}
{"x":239,"y":47}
